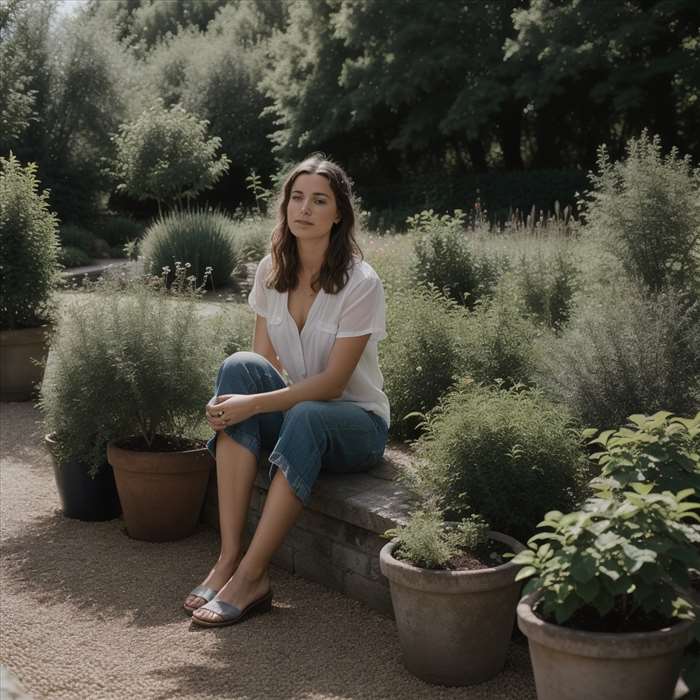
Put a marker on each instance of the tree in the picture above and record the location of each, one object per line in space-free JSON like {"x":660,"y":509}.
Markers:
{"x":165,"y":155}
{"x":607,"y":69}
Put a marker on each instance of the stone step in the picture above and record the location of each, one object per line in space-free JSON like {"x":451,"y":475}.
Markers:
{"x":337,"y":539}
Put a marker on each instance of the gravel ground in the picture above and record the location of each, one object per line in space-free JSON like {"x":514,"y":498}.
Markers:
{"x":87,"y":612}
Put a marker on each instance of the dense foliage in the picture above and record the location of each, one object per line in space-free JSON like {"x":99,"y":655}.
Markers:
{"x":646,"y":207}
{"x":419,"y":358}
{"x":632,"y":545}
{"x":500,"y":88}
{"x":508,"y":455}
{"x":640,"y":353}
{"x":165,"y":155}
{"x":132,"y":360}
{"x":202,"y":239}
{"x":28,"y":247}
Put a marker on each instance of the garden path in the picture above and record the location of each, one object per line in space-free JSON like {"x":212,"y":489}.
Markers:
{"x":88,"y":613}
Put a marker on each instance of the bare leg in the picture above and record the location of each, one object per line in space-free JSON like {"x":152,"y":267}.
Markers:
{"x":235,"y":474}
{"x":251,"y":580}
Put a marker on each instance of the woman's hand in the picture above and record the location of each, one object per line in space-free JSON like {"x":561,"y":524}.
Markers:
{"x":228,"y":409}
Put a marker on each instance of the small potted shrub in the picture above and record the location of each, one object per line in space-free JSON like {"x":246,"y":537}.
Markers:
{"x":77,"y":418}
{"x":607,"y":611}
{"x":147,"y":357}
{"x":29,"y":254}
{"x":454,"y":596}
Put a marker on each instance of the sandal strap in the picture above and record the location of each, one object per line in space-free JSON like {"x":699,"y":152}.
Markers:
{"x":203,"y":592}
{"x":220,"y":607}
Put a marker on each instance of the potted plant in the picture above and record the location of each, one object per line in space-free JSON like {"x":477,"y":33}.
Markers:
{"x":77,"y":418}
{"x":454,"y":596}
{"x":606,"y":612}
{"x":29,"y":254}
{"x":147,"y":357}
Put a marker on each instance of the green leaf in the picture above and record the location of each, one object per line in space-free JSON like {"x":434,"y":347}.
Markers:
{"x":525,"y":572}
{"x":583,"y":567}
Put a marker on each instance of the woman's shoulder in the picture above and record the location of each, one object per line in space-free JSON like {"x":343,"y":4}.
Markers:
{"x":362,"y":270}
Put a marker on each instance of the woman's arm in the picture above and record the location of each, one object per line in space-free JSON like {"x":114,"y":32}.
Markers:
{"x":328,"y":385}
{"x":262,"y":344}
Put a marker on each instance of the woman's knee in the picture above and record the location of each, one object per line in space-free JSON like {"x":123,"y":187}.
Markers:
{"x":237,"y":371}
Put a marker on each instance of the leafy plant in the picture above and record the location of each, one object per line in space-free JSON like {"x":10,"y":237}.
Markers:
{"x":262,"y":194}
{"x":625,"y":552}
{"x":647,"y":209}
{"x":496,"y":340}
{"x":508,"y":455}
{"x":419,"y":357}
{"x":201,"y":237}
{"x":547,"y":287}
{"x":637,"y":355}
{"x":165,"y":155}
{"x":28,"y":247}
{"x":630,"y":551}
{"x":663,"y":450}
{"x":444,"y":260}
{"x":428,"y":542}
{"x":129,"y":358}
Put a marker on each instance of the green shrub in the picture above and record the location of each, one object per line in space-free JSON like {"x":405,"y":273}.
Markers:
{"x":663,"y":450}
{"x":647,"y":209}
{"x":73,"y":257}
{"x":28,"y":247}
{"x":128,"y":359}
{"x":165,"y":155}
{"x":443,"y":258}
{"x":419,"y":358}
{"x":626,"y":352}
{"x":118,"y":230}
{"x":547,"y":287}
{"x":237,"y":324}
{"x":253,"y":234}
{"x":507,"y":455}
{"x":426,"y":541}
{"x":631,"y":546}
{"x":496,"y":341}
{"x":202,"y":238}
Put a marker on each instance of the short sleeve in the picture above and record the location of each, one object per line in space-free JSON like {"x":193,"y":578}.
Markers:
{"x":364,"y":311}
{"x":258,"y":297}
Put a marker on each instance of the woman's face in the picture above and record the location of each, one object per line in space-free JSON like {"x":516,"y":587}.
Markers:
{"x":312,"y":209}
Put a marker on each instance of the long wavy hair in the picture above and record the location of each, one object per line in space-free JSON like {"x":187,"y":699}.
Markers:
{"x":335,"y":270}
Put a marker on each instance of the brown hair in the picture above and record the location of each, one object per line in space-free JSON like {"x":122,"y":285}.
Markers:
{"x":334,"y":273}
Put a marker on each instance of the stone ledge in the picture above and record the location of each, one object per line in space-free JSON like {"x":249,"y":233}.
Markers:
{"x":337,"y":538}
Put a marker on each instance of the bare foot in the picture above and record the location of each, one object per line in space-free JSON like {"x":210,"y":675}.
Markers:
{"x":241,"y":590}
{"x":222,"y":572}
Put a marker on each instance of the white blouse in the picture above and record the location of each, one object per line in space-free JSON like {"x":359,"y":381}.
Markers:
{"x":357,"y":309}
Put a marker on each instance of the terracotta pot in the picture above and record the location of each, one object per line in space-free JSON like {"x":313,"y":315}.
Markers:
{"x":19,"y":349}
{"x":83,"y":497}
{"x":571,"y":664}
{"x":161,"y":492}
{"x":454,"y":626}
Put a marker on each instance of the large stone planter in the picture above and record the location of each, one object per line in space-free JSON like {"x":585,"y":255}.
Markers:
{"x":572,"y":664}
{"x":20,"y":350}
{"x":454,"y":626}
{"x":161,"y":493}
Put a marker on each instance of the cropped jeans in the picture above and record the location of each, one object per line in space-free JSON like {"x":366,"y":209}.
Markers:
{"x":337,"y":436}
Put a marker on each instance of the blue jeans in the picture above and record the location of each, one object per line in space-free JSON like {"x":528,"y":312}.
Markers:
{"x":338,"y":436}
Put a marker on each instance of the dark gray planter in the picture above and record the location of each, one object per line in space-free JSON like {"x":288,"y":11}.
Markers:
{"x":454,"y":626}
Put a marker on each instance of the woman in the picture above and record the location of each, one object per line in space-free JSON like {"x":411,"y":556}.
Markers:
{"x":319,"y":316}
